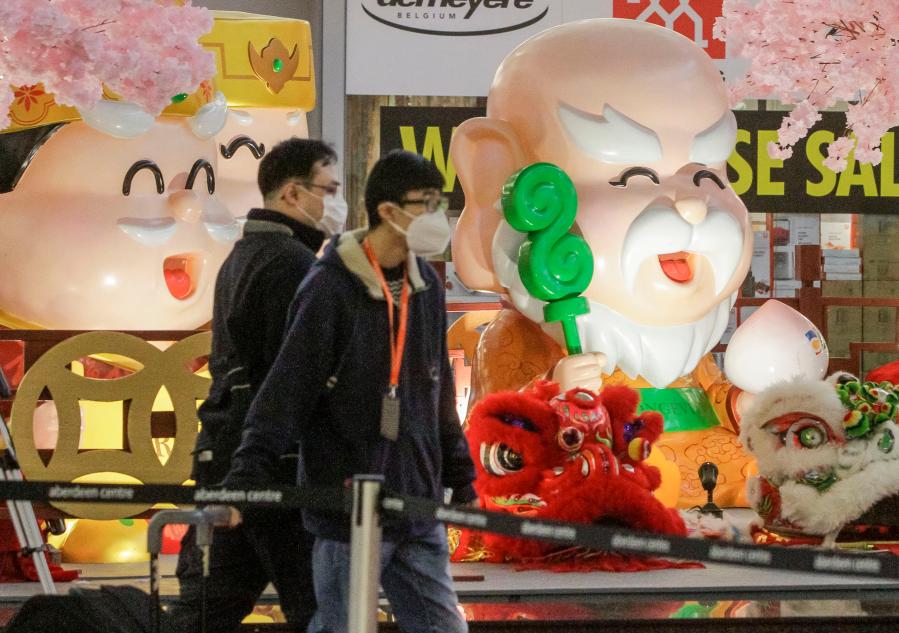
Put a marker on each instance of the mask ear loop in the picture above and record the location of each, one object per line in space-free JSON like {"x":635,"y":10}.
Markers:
{"x":302,"y":209}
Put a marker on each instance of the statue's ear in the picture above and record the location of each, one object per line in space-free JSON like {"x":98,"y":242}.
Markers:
{"x":485,"y":153}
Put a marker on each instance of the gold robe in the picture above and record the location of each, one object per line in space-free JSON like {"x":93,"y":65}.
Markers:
{"x":513,"y":351}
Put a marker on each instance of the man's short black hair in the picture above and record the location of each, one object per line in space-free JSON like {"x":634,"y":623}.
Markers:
{"x":396,"y":173}
{"x":293,"y":158}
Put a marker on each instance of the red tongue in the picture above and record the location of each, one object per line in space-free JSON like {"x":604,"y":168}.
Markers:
{"x":178,"y":282}
{"x":677,"y":269}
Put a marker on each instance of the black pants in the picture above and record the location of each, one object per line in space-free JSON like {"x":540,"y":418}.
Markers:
{"x":270,"y":546}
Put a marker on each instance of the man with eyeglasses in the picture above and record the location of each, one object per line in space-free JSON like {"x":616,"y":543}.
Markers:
{"x":254,"y":288}
{"x":378,"y":398}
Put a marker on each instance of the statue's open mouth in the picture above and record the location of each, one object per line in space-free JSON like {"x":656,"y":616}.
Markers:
{"x":660,"y":235}
{"x":677,"y":266}
{"x":181,"y":274}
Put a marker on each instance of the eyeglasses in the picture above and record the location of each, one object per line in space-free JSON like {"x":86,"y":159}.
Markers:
{"x":433,"y":204}
{"x":330,"y":190}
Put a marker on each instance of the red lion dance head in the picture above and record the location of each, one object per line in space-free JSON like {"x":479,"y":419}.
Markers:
{"x":573,"y":457}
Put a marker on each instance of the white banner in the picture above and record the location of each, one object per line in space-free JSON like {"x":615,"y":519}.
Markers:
{"x":453,"y":47}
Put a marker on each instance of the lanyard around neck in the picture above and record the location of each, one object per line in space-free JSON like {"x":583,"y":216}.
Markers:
{"x":398,"y":339}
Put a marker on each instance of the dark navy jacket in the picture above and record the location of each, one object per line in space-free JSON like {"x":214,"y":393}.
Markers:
{"x":253,"y":292}
{"x":327,"y":383}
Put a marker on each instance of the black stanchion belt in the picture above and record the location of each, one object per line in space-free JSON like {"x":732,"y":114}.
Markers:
{"x":326,"y":499}
{"x":338,"y":500}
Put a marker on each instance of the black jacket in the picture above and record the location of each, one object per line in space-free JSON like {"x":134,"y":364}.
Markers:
{"x":326,"y":387}
{"x":253,"y":291}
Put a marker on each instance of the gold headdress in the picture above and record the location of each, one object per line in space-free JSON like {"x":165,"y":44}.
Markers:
{"x":261,"y":61}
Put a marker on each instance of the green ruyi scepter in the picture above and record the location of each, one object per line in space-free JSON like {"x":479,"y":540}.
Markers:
{"x":555,"y":265}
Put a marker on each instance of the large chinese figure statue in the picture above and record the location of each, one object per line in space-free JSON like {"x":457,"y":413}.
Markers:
{"x":638,"y":118}
{"x":116,"y":220}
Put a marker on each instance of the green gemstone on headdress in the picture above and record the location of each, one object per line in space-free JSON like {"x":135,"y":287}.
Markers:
{"x":178,"y":98}
{"x":277,"y":65}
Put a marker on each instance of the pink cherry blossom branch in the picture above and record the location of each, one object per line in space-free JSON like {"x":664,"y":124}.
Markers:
{"x":796,"y":48}
{"x":146,"y":51}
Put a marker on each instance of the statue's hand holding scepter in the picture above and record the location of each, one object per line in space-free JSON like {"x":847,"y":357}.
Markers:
{"x":555,"y":265}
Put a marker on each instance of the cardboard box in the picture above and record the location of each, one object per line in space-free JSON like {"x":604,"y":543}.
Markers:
{"x":786,"y":288}
{"x":879,"y":325}
{"x":784,"y":293}
{"x":845,"y":265}
{"x":841,"y":289}
{"x":879,"y":225}
{"x":882,"y":289}
{"x":838,"y":253}
{"x":879,"y":246}
{"x":844,"y":326}
{"x":877,"y":269}
{"x":873,"y":360}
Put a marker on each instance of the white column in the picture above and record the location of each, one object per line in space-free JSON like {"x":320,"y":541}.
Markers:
{"x":332,"y":100}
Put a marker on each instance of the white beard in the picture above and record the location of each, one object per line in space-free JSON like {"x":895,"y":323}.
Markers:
{"x":660,"y":354}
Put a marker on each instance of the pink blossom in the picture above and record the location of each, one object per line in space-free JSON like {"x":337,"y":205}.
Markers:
{"x":147,"y":51}
{"x":777,"y":152}
{"x":835,"y":164}
{"x":841,"y":147}
{"x":815,"y":53}
{"x":868,"y":155}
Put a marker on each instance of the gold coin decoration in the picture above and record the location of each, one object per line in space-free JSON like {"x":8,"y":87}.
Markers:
{"x":138,"y":458}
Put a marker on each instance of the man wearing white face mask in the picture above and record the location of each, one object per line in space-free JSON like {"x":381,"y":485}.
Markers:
{"x":333,"y":209}
{"x":378,"y":396}
{"x":253,"y":291}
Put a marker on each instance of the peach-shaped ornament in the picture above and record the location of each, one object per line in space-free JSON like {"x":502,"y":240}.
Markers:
{"x":775,"y":343}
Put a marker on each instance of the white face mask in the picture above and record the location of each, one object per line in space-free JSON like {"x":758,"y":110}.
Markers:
{"x":334,"y":214}
{"x":427,"y":234}
{"x":334,"y":217}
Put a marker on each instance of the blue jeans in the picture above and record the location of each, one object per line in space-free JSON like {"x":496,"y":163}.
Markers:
{"x":415,"y":576}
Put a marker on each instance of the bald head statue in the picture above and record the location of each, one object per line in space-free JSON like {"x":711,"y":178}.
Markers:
{"x":637,"y":115}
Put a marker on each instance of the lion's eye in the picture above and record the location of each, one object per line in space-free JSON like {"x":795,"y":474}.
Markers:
{"x":811,"y":436}
{"x":805,"y":433}
{"x":800,"y":431}
{"x":570,"y":438}
{"x":500,"y":460}
{"x":508,"y":459}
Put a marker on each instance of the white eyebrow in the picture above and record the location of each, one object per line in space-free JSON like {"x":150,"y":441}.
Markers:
{"x":715,"y":144}
{"x":241,"y":116}
{"x":610,"y":137}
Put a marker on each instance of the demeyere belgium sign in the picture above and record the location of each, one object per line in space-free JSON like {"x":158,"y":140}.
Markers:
{"x":453,"y":47}
{"x":437,"y":47}
{"x":457,"y":17}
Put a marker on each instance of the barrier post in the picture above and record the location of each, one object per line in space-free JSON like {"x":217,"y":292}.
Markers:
{"x":365,"y":554}
{"x":21,"y":512}
{"x":204,"y":521}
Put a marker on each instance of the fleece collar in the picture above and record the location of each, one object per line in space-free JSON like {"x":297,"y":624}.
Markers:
{"x":349,"y":248}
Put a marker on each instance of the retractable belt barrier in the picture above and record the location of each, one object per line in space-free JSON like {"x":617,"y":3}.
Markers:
{"x":338,"y":500}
